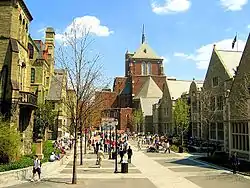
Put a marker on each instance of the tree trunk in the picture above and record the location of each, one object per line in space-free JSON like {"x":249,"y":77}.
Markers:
{"x":85,"y":142}
{"x":75,"y":157}
{"x":81,"y":160}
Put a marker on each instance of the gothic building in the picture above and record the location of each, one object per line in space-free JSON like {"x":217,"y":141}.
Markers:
{"x":139,"y":88}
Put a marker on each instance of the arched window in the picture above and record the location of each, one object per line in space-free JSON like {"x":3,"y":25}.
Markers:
{"x":3,"y":82}
{"x":149,"y":68}
{"x":33,"y":75}
{"x":31,"y":51}
{"x":143,"y":68}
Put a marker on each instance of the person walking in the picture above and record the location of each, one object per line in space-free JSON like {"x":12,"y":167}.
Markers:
{"x":130,"y":153}
{"x":139,"y":144}
{"x":167,"y":147}
{"x":235,"y":162}
{"x":37,"y":168}
{"x":100,"y":157}
{"x":121,"y":152}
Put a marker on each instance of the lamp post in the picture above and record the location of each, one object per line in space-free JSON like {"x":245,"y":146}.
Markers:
{"x":116,"y":138}
{"x":109,"y":141}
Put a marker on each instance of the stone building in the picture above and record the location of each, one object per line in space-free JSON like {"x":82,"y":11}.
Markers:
{"x":27,"y":68}
{"x":237,"y":109}
{"x":17,"y":99}
{"x":143,"y":73}
{"x":195,"y":108}
{"x":163,"y":114}
{"x":57,"y":96}
{"x":221,"y":70}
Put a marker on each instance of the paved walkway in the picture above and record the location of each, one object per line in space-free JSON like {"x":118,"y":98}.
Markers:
{"x":148,"y":170}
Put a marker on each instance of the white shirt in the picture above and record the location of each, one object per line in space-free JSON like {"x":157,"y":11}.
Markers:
{"x":37,"y":163}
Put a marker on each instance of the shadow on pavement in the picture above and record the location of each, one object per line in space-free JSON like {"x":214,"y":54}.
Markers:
{"x":61,"y":181}
{"x":190,"y":162}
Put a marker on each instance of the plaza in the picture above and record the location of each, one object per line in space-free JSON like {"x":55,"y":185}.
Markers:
{"x":148,"y":170}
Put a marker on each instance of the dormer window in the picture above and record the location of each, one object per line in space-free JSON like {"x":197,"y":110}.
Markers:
{"x":144,"y":68}
{"x":149,"y":68}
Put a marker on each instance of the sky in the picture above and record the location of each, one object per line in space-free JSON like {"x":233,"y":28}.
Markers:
{"x":183,"y":32}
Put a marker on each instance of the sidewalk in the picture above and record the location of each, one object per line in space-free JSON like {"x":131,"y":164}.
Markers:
{"x":161,"y":177}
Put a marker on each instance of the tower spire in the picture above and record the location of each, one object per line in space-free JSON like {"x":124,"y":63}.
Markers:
{"x":143,"y":34}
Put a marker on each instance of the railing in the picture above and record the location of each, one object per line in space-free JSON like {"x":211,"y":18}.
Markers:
{"x":27,"y":98}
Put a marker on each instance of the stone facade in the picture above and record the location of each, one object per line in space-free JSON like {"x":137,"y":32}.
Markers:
{"x":238,"y":114}
{"x":18,"y":102}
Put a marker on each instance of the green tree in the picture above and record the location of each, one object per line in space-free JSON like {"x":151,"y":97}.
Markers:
{"x":45,"y":118}
{"x":181,"y":117}
{"x":10,"y":142}
{"x":137,"y":120}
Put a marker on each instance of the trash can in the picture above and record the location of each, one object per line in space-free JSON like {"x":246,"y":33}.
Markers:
{"x":113,"y":155}
{"x":124,"y":167}
{"x":180,"y":149}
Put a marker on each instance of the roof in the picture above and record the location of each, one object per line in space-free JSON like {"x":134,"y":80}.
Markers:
{"x":55,"y":91}
{"x":147,"y":105}
{"x":26,"y":10}
{"x":149,"y":90}
{"x":178,"y":87}
{"x":145,"y":52}
{"x":230,"y":60}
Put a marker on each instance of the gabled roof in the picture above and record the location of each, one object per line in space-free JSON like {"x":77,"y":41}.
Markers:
{"x":145,"y":52}
{"x":56,"y":88}
{"x":178,"y":87}
{"x":149,"y":90}
{"x":230,"y":60}
{"x":147,"y":105}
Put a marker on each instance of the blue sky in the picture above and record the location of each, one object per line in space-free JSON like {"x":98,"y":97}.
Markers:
{"x":182,"y":31}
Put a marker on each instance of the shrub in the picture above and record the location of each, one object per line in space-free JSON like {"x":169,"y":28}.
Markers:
{"x":48,"y":148}
{"x":25,"y":161}
{"x":10,"y":142}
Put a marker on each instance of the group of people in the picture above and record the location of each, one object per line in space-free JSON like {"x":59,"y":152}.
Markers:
{"x":103,"y":144}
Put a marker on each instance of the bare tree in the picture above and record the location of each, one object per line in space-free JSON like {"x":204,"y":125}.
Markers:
{"x":210,"y":112}
{"x":85,"y":77}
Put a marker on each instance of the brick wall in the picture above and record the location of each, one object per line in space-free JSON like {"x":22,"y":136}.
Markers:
{"x":125,"y":118}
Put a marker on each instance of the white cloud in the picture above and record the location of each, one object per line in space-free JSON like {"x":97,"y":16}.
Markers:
{"x":248,"y":27}
{"x":233,"y":5}
{"x":171,"y":6}
{"x":83,"y":24}
{"x":202,"y":55}
{"x":165,"y":60}
{"x":42,"y":30}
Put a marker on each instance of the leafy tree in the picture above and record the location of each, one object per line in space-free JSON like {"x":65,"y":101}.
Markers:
{"x":45,"y":118}
{"x":181,"y":117}
{"x":137,"y":119}
{"x":10,"y":142}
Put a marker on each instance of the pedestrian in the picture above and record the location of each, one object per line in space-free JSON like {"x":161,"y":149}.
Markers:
{"x":37,"y":168}
{"x":139,"y":144}
{"x":100,"y":157}
{"x":167,"y":147}
{"x":130,"y":153}
{"x":235,"y":162}
{"x":121,"y":153}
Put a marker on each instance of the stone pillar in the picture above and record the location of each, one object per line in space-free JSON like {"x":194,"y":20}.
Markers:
{"x":39,"y":148}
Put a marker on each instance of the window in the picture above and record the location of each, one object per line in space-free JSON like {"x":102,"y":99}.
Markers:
{"x":31,"y":51}
{"x":220,"y":102}
{"x":33,"y":75}
{"x":193,"y":93}
{"x":149,"y":68}
{"x":143,"y":68}
{"x":195,"y":133}
{"x":213,"y":131}
{"x":3,"y":81}
{"x":220,"y":131}
{"x":215,"y":81}
{"x":240,"y":136}
{"x":212,"y":103}
{"x":47,"y":81}
{"x":194,"y":105}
